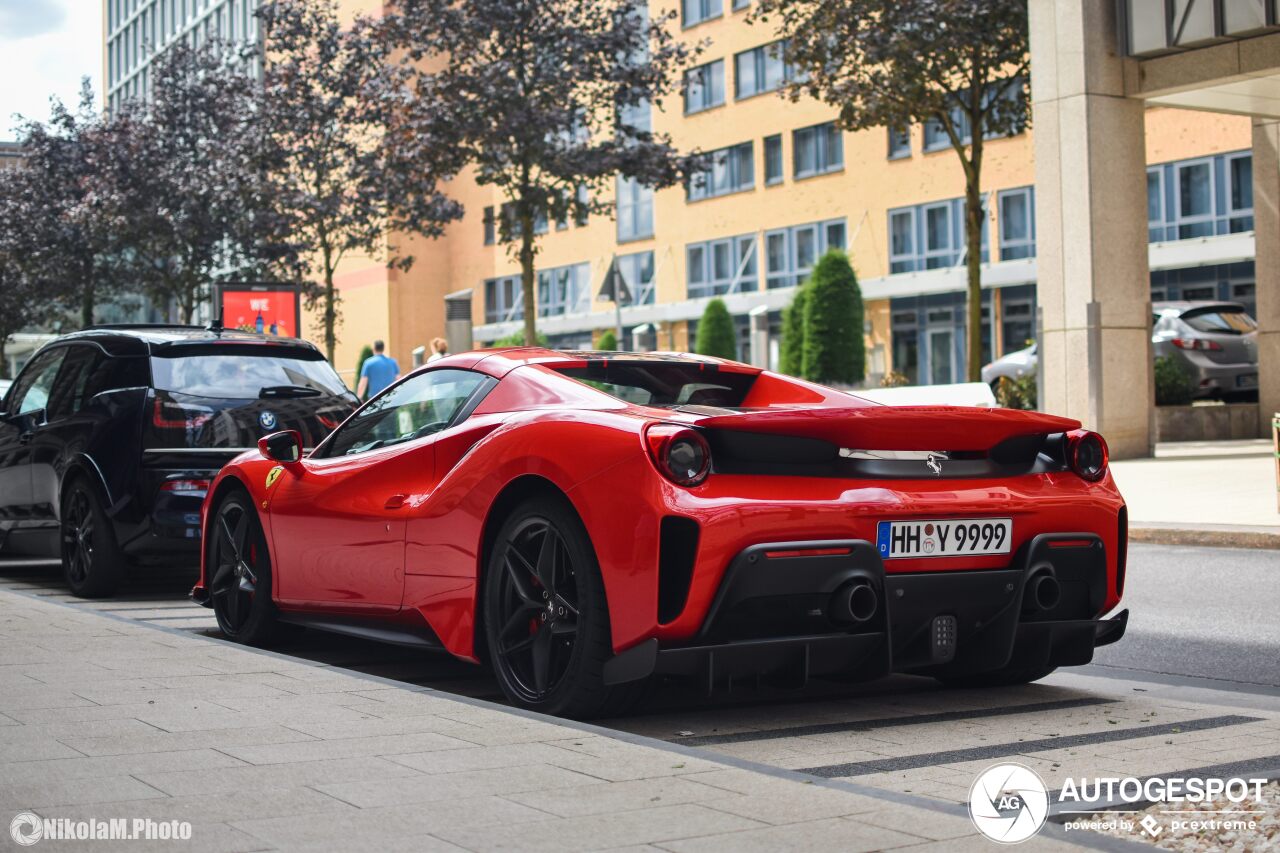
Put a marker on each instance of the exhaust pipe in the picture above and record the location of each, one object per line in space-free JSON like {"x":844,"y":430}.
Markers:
{"x":856,"y":601}
{"x":1043,"y":591}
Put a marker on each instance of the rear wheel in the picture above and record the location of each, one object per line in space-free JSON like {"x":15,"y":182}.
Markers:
{"x":91,"y":560}
{"x":240,"y":572}
{"x":546,"y":619}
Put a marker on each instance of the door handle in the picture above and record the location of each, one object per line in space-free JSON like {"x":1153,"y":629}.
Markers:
{"x":394,"y":502}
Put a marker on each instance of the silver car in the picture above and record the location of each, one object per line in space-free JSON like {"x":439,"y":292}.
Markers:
{"x":1013,"y":365}
{"x":1217,"y":343}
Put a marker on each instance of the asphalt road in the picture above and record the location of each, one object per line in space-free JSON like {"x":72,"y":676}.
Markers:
{"x":1201,"y":612}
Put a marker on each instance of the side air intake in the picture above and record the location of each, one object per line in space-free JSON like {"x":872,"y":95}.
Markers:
{"x":676,"y":554}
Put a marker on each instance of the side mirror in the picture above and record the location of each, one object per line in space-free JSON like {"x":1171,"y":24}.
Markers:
{"x":284,"y":447}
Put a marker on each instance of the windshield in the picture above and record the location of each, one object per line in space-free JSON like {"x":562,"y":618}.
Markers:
{"x":665,"y":384}
{"x":236,"y":374}
{"x":1221,"y":320}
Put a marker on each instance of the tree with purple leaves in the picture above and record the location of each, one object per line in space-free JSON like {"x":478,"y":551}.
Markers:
{"x":959,"y":67}
{"x":547,"y":100}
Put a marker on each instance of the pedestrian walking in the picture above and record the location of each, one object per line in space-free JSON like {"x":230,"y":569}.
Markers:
{"x":377,"y":372}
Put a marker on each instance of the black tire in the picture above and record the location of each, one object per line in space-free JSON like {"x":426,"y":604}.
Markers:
{"x":91,"y":560}
{"x":546,"y":620}
{"x":239,"y":566}
{"x":1009,"y":676}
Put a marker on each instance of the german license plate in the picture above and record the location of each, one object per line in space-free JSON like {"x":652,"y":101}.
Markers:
{"x":1247,"y":380}
{"x":953,"y":537}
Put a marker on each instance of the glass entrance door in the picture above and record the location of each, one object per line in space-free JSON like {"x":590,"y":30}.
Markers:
{"x":941,"y":357}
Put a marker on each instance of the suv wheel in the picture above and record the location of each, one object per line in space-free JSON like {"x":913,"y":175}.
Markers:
{"x":91,"y":559}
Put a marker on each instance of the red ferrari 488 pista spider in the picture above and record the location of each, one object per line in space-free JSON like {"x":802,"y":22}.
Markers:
{"x":584,"y":521}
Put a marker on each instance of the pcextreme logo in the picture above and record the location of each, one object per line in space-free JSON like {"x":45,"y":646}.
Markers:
{"x":1008,"y":803}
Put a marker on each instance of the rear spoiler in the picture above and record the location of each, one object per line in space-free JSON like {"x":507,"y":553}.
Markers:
{"x":945,"y":428}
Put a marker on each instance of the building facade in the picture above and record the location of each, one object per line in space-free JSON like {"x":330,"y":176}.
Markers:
{"x":138,"y":30}
{"x":787,"y":185}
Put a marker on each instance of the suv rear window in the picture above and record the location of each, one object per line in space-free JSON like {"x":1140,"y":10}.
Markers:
{"x":1220,"y":320}
{"x":244,"y":372}
{"x":665,"y":383}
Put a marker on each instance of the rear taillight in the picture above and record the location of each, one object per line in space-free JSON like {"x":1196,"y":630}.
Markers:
{"x":1196,"y":344}
{"x":184,"y":486}
{"x":171,"y":415}
{"x":681,"y":454}
{"x":328,"y":422}
{"x":1087,"y":455}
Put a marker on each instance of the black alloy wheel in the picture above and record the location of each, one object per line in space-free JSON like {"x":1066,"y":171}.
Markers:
{"x":91,"y":561}
{"x":537,"y":609}
{"x":240,"y":567}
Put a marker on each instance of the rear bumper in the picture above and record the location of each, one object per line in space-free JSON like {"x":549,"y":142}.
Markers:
{"x":781,"y":610}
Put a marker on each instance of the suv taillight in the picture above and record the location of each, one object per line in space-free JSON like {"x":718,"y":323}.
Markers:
{"x":1196,"y":344}
{"x":170,"y":415}
{"x":681,"y":454}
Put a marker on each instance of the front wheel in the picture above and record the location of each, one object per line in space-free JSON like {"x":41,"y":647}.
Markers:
{"x":546,"y":620}
{"x":240,"y":567}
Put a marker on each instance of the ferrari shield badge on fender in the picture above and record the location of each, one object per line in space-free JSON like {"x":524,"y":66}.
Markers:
{"x":273,"y":475}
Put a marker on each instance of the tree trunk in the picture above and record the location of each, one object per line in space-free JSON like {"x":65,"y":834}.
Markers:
{"x":973,"y":218}
{"x":527,"y":291}
{"x":330,"y":307}
{"x":87,"y":305}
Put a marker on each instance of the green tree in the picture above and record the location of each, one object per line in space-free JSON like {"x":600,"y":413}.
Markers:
{"x":608,"y":341}
{"x":516,"y":339}
{"x":791,"y":354}
{"x":715,"y":332}
{"x":960,"y":67}
{"x":366,"y":353}
{"x":835,"y":348}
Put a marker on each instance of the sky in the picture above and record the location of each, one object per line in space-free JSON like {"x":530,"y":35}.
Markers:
{"x":46,"y":47}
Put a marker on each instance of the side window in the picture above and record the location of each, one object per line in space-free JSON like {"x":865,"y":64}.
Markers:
{"x":417,"y":407}
{"x":32,"y":391}
{"x":71,"y":388}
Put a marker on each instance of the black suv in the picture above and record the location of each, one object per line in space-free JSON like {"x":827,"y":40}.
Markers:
{"x":109,"y":438}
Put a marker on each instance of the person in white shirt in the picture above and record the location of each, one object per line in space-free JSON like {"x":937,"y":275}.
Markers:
{"x":439,"y":349}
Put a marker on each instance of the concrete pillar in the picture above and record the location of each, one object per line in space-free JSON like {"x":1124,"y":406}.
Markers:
{"x":1091,"y":222}
{"x":1266,"y":222}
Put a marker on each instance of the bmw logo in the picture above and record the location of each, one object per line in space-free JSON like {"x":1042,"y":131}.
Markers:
{"x":268,"y":420}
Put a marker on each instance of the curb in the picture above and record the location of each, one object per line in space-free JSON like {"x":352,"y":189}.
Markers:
{"x":1207,"y":535}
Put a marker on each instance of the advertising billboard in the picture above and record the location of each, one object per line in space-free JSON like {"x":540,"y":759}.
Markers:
{"x":271,"y":309}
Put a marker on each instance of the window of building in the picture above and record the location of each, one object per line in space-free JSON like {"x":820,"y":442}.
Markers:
{"x":899,"y":143}
{"x":564,"y":290}
{"x":929,"y":236}
{"x":761,"y":69}
{"x":717,"y":267}
{"x":935,"y":135}
{"x":773,"y":159}
{"x":490,"y":227}
{"x":727,"y":170}
{"x":503,"y":300}
{"x":1240,"y":196}
{"x":1194,"y":199}
{"x":790,"y":253}
{"x":697,"y":11}
{"x":1017,"y":223}
{"x":637,"y":271}
{"x":741,"y":4}
{"x":704,"y":87}
{"x":634,"y":210}
{"x":817,"y":150}
{"x":1155,"y":204}
{"x":902,"y":240}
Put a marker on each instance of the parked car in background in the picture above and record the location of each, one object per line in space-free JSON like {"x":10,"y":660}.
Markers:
{"x":1013,"y":365}
{"x":109,"y":438}
{"x":1216,"y":344}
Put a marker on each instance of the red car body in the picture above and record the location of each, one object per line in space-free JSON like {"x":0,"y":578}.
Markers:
{"x":735,"y":574}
